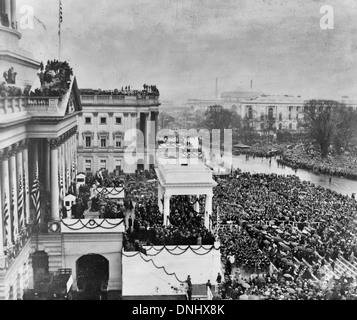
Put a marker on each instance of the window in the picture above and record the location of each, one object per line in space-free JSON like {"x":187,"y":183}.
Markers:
{"x":118,"y":141}
{"x":250,"y":113}
{"x":289,"y":116}
{"x":271,"y":113}
{"x":117,"y":120}
{"x":280,"y":117}
{"x":290,"y":126}
{"x":88,"y":142}
{"x":88,"y":165}
{"x":291,"y":109}
{"x":103,"y":120}
{"x":118,"y":166}
{"x":88,"y":120}
{"x":103,"y":164}
{"x":297,"y":109}
{"x":103,"y":142}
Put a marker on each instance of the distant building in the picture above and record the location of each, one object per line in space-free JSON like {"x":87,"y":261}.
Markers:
{"x":105,"y":119}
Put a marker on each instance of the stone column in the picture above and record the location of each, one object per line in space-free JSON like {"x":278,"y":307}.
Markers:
{"x":208,"y":210}
{"x":54,"y":181}
{"x":5,"y":189}
{"x":20,"y":178}
{"x":156,"y":127}
{"x":8,"y":10}
{"x":14,"y":190}
{"x":111,"y":130}
{"x":96,"y":129}
{"x":166,"y":210}
{"x":25,"y":159}
{"x":197,"y":204}
{"x":35,"y":169}
{"x":13,"y":13}
{"x":2,"y":239}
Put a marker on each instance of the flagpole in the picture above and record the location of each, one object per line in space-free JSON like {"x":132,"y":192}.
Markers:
{"x":59,"y":29}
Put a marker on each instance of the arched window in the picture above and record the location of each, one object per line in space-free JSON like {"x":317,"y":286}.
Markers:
{"x":271,"y":113}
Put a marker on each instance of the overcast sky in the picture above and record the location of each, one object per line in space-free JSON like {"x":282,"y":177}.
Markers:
{"x":182,"y":46}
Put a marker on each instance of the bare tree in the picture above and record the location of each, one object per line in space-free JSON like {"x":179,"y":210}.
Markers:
{"x":328,"y":122}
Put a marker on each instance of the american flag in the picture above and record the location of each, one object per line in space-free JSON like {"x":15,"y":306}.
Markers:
{"x":15,"y":225}
{"x":68,"y":177}
{"x":60,"y":182}
{"x":20,"y":205}
{"x":6,"y":220}
{"x":60,"y":12}
{"x":35,"y":196}
{"x":60,"y":17}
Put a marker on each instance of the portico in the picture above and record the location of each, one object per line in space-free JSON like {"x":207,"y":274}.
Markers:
{"x":194,"y":179}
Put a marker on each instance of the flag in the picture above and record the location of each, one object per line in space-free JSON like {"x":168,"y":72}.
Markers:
{"x":35,"y":196}
{"x":68,"y":177}
{"x":15,"y":226}
{"x":6,"y":220}
{"x":20,"y":205}
{"x":60,"y":12}
{"x":60,"y":17}
{"x":60,"y":183}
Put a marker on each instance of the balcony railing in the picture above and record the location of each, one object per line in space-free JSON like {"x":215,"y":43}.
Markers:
{"x":119,"y":100}
{"x":92,"y":225}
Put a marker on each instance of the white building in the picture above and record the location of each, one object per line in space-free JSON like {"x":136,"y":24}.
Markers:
{"x":102,"y":127}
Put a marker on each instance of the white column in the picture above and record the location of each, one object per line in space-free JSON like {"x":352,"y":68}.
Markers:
{"x":5,"y":188}
{"x":2,"y":240}
{"x":8,"y":10}
{"x":197,"y":204}
{"x":111,"y":130}
{"x":133,"y":123}
{"x":13,"y":12}
{"x":35,"y":169}
{"x":54,"y":182}
{"x":14,"y":190}
{"x":25,"y":158}
{"x":20,"y":177}
{"x":208,"y":210}
{"x":166,"y":210}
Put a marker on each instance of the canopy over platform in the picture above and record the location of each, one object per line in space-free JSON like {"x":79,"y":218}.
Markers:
{"x":191,"y":179}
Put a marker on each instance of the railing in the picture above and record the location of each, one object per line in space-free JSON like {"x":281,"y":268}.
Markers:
{"x":12,"y":105}
{"x":119,"y":100}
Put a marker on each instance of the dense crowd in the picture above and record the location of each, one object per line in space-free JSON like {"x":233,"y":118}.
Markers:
{"x":186,"y":226}
{"x":298,"y":227}
{"x":150,"y":90}
{"x":308,"y":158}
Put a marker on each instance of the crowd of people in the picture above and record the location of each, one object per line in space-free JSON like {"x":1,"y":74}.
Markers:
{"x":296,"y":226}
{"x":148,"y":90}
{"x":185,"y":228}
{"x":308,"y":158}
